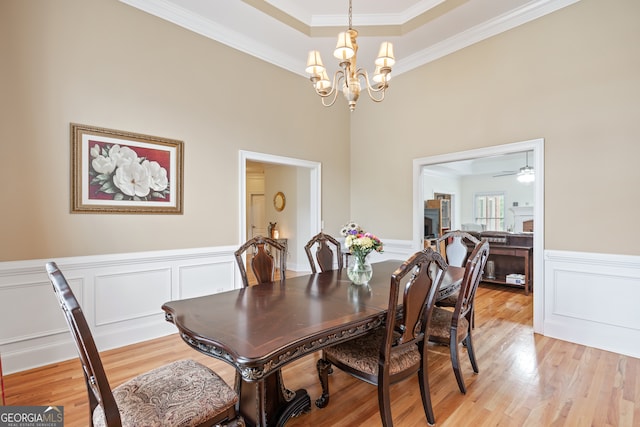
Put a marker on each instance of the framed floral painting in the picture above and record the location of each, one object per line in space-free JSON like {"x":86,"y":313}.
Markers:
{"x":124,"y":172}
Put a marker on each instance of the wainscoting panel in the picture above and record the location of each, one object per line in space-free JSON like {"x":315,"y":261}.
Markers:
{"x":195,"y":279}
{"x":121,"y":296}
{"x":127,"y":296}
{"x":589,"y":299}
{"x":17,"y":319}
{"x":592,"y":299}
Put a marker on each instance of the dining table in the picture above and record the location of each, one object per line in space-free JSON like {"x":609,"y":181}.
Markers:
{"x":260,"y":329}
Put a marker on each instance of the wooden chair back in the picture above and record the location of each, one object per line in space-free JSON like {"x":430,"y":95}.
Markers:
{"x":472,"y":278}
{"x":407,"y":323}
{"x":98,"y":386}
{"x":325,"y":255}
{"x":262,"y":260}
{"x":454,"y":246}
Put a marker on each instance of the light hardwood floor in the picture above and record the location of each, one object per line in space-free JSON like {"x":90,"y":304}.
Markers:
{"x":524,"y":380}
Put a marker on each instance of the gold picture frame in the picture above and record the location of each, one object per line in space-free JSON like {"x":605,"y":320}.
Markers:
{"x":279,"y":201}
{"x":115,"y":171}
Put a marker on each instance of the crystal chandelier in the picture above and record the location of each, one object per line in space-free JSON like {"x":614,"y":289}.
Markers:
{"x":349,"y":74}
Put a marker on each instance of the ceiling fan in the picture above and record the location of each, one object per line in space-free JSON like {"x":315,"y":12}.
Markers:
{"x":525,"y":174}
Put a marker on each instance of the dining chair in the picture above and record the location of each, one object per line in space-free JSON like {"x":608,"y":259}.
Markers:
{"x":454,"y":247}
{"x":324,"y":254}
{"x":397,"y":350}
{"x":453,"y":327}
{"x":262,"y":261}
{"x":182,"y":393}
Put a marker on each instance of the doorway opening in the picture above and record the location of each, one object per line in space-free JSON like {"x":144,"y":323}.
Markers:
{"x":536,"y":147}
{"x":302,"y":210}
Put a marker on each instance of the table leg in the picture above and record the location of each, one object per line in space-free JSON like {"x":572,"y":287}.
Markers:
{"x":267,"y":402}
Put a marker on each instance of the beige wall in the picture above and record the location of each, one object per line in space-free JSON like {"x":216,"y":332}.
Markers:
{"x":103,"y":63}
{"x":283,"y":178}
{"x":572,"y":78}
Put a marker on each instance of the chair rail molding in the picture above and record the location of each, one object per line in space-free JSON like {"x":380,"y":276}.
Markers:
{"x":121,"y":295}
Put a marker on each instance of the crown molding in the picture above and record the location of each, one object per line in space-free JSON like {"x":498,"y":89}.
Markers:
{"x":205,"y":27}
{"x":500,"y":24}
{"x":169,"y":11}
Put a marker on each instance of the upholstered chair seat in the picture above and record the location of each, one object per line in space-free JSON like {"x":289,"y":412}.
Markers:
{"x":361,"y":354}
{"x":449,"y":301}
{"x":440,"y":327}
{"x":182,"y":393}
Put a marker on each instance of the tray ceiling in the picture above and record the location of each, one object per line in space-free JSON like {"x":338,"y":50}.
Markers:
{"x":282,"y":32}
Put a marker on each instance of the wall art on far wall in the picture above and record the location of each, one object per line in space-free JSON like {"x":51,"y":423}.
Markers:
{"x":124,"y":172}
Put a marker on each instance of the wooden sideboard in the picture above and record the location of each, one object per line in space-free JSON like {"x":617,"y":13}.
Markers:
{"x":510,"y":253}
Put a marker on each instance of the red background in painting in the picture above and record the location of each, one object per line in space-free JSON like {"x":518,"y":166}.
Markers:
{"x":163,"y":157}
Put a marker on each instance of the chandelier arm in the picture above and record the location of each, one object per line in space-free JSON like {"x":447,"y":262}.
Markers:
{"x":333,"y":93}
{"x":333,"y":101}
{"x":372,"y":90}
{"x":328,"y":94}
{"x":372,"y":96}
{"x":363,"y":73}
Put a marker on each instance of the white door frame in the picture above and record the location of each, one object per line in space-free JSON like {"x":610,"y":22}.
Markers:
{"x":315,"y":190}
{"x":537,"y":145}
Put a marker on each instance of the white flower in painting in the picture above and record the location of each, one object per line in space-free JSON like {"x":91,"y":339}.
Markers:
{"x":132,"y":179}
{"x":102,"y":164}
{"x":157,"y":175}
{"x":118,"y":172}
{"x":123,"y":155}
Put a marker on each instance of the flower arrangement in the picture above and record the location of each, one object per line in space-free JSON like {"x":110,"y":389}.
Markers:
{"x":359,"y":242}
{"x":118,"y":173}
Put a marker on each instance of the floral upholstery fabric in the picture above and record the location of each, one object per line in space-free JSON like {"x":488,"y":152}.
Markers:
{"x":440,"y":325}
{"x":362,"y":354}
{"x":449,"y":301}
{"x":183,"y":393}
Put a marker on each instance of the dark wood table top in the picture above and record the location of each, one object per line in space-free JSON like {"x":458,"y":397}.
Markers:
{"x":260,"y":328}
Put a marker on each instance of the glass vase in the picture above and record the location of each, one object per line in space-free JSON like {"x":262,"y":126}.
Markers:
{"x":359,"y":269}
